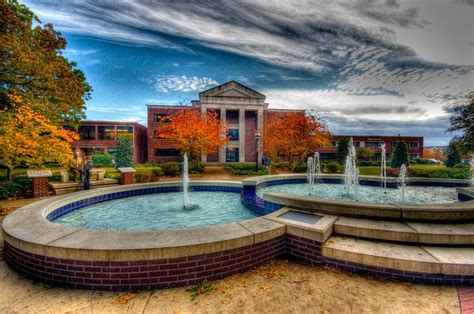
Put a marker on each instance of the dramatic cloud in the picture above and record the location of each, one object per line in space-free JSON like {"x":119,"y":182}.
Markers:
{"x":167,"y":83}
{"x":366,"y":61}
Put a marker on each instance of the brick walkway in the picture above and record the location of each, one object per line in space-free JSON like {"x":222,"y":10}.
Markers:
{"x":466,"y":299}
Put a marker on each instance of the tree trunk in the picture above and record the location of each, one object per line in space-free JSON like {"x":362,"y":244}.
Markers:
{"x":9,"y":174}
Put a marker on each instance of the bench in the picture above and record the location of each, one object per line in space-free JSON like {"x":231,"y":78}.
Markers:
{"x":97,"y":174}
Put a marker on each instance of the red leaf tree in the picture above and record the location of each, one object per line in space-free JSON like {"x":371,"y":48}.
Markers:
{"x":293,"y":136}
{"x":194,"y":133}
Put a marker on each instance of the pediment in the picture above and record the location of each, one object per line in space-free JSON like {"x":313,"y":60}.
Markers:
{"x":232,"y":93}
{"x":232,"y":89}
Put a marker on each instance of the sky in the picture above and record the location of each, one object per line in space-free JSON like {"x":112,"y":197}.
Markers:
{"x":376,"y":67}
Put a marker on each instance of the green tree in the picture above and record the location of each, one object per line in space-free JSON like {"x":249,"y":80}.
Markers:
{"x":124,"y":152}
{"x":400,"y":155}
{"x":342,"y":150}
{"x":453,"y":156}
{"x":463,"y":120}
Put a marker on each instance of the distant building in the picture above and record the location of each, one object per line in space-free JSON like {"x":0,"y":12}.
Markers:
{"x":102,"y":137}
{"x":414,"y":144}
{"x":244,"y":111}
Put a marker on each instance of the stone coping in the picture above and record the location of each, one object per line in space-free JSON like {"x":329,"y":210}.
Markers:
{"x":255,"y":181}
{"x":28,"y":229}
{"x":413,"y":212}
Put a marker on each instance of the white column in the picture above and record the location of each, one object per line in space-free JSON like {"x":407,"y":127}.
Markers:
{"x":223,"y":148}
{"x":203,"y":156}
{"x":241,"y":135}
{"x":260,"y":129}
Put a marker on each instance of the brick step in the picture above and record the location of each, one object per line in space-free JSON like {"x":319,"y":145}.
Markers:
{"x":390,"y":257}
{"x":422,"y":233}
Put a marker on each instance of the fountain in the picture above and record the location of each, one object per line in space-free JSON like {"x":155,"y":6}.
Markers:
{"x":351,"y":173}
{"x":185,"y":182}
{"x":313,"y":173}
{"x":383,"y":169}
{"x":402,"y":181}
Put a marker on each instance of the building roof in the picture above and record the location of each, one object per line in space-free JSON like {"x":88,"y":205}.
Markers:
{"x":232,"y":89}
{"x":377,"y":136}
{"x":109,"y":122}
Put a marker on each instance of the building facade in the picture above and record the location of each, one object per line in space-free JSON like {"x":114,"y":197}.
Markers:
{"x":102,"y":137}
{"x":414,"y":144}
{"x":241,"y":108}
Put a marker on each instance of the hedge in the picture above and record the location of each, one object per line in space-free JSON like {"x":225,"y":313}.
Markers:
{"x":241,"y":169}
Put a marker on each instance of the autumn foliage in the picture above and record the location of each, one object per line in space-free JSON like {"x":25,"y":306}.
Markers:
{"x":32,"y":66}
{"x":27,"y":137}
{"x":293,"y":136}
{"x":194,"y":133}
{"x":434,"y":153}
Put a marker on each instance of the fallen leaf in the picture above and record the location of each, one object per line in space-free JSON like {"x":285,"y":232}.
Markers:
{"x":125,"y":298}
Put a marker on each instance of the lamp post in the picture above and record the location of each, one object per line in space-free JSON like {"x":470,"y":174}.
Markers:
{"x":258,"y":136}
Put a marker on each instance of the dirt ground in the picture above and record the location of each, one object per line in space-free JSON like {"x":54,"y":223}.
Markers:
{"x":279,"y":286}
{"x":276,"y":287}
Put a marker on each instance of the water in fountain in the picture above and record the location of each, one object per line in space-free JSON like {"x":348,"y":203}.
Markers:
{"x":383,"y":169}
{"x":309,"y":174}
{"x":351,"y":173}
{"x":317,"y":167}
{"x":402,"y":181}
{"x":186,"y":200}
{"x":313,"y":172}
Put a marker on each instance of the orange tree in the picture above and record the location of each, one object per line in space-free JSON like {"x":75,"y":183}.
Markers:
{"x":293,"y":136}
{"x":37,"y":83}
{"x":434,"y":153}
{"x":30,"y":138}
{"x":194,"y":133}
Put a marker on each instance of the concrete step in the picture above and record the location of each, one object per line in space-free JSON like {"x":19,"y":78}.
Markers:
{"x":457,"y":261}
{"x":63,"y":188}
{"x":422,"y":233}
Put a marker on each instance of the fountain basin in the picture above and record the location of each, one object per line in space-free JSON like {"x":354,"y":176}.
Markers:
{"x":133,"y":260}
{"x":137,"y":260}
{"x":270,"y":202}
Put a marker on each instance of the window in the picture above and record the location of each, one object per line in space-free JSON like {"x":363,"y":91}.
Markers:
{"x":87,"y":132}
{"x":233,"y":134}
{"x":413,"y":156}
{"x":232,"y":154}
{"x":167,"y":152}
{"x":164,"y":118}
{"x":373,"y":144}
{"x":334,"y":144}
{"x":232,"y":117}
{"x":413,"y":144}
{"x":357,"y":144}
{"x":106,"y":132}
{"x":124,"y":131}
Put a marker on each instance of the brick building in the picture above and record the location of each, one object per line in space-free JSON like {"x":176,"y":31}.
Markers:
{"x":101,"y":137}
{"x":414,"y":144}
{"x":244,"y":111}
